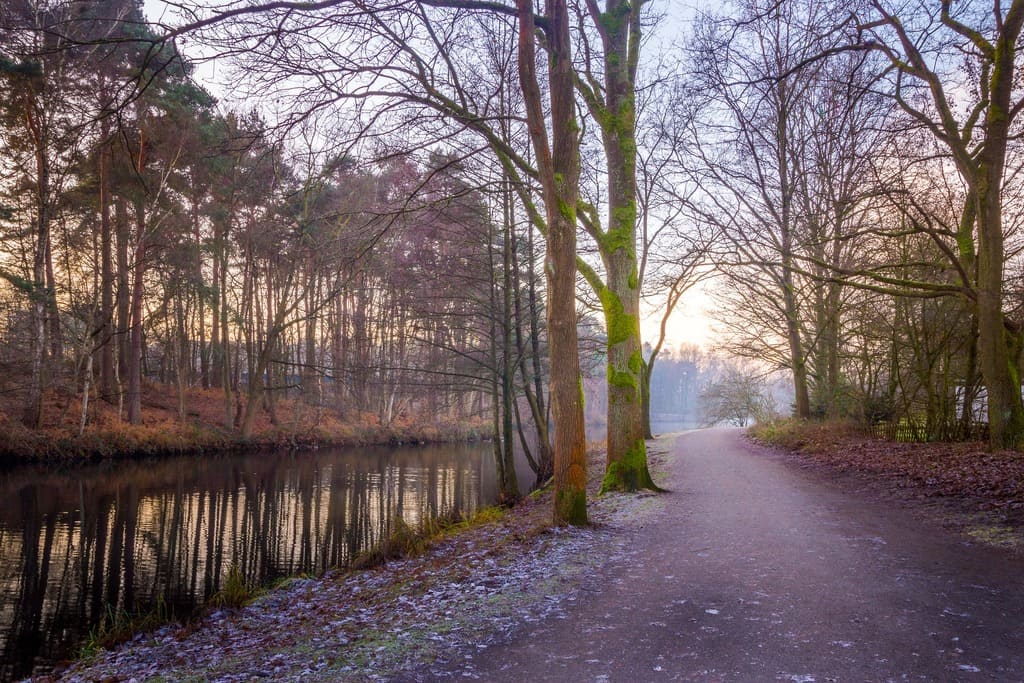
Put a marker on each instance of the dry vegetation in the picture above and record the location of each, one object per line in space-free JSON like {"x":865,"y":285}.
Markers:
{"x":162,"y":430}
{"x":986,"y":487}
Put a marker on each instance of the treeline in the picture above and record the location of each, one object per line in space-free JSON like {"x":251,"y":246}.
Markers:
{"x":852,"y":177}
{"x":152,"y":237}
{"x":863,"y":174}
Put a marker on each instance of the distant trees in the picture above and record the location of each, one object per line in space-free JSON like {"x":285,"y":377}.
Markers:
{"x":856,"y":195}
{"x":736,"y":397}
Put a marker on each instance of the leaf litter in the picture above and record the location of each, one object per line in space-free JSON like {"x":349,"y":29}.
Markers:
{"x":977,"y":491}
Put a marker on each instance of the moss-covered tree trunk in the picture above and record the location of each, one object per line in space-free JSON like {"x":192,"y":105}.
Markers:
{"x":627,"y":456}
{"x":558,"y":164}
{"x":613,"y":106}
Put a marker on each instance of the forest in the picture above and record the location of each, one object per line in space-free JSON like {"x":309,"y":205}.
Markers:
{"x":313,"y":214}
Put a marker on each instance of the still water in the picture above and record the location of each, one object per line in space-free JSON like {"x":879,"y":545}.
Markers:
{"x":76,"y":543}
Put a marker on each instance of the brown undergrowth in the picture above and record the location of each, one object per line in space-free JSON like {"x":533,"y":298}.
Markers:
{"x":985,"y":487}
{"x":164,"y":431}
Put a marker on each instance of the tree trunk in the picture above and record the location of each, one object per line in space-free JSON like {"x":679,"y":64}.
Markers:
{"x":204,"y":350}
{"x":310,"y":373}
{"x":224,"y":350}
{"x":995,"y":337}
{"x":86,"y":386}
{"x":559,"y":166}
{"x":620,"y":31}
{"x":123,"y":295}
{"x":510,"y":483}
{"x":998,"y":367}
{"x":134,"y":389}
{"x":798,"y":363}
{"x":543,"y":465}
{"x":40,"y":297}
{"x":645,"y":396}
{"x":627,"y":454}
{"x":106,"y":328}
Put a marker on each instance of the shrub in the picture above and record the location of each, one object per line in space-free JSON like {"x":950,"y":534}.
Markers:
{"x":237,"y":591}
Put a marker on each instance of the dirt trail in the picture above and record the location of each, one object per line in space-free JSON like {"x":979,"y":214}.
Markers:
{"x":756,"y":570}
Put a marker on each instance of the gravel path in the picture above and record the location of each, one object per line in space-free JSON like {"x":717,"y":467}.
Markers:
{"x":755,"y":570}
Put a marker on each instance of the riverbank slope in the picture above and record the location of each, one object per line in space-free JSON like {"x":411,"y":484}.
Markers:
{"x":166,"y":429}
{"x":412,"y":618}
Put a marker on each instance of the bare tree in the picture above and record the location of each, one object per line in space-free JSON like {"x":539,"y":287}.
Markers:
{"x":929,"y":85}
{"x":782,"y":151}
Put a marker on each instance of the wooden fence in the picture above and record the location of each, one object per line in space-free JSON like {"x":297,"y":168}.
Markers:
{"x":915,"y":432}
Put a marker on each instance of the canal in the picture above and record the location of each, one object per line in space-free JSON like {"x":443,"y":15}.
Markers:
{"x":78,"y":544}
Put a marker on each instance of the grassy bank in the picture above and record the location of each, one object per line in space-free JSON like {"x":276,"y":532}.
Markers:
{"x":119,"y":626}
{"x":165,"y":431}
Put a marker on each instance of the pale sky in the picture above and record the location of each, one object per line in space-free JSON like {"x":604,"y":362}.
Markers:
{"x":689,"y":324}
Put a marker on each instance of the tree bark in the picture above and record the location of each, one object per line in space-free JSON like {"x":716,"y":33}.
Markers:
{"x":995,"y":337}
{"x":40,"y":297}
{"x":615,"y":112}
{"x":510,"y":482}
{"x":123,"y":295}
{"x":134,"y":388}
{"x":106,"y":327}
{"x":559,"y":167}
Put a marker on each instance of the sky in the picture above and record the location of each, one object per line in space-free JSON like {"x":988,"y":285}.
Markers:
{"x":691,"y":322}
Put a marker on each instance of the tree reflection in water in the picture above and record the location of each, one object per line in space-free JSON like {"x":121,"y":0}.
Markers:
{"x":75,"y":544}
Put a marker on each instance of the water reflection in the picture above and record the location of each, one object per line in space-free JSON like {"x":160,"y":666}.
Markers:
{"x":75,"y":544}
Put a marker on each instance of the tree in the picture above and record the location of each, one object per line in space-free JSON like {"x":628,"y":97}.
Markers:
{"x":977,"y":134}
{"x":558,"y":166}
{"x":612,"y":105}
{"x":783,"y":151}
{"x":735,"y":397}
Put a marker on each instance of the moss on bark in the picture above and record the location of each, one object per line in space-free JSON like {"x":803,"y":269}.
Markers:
{"x":621,"y":326}
{"x":629,"y":473}
{"x":571,"y":507}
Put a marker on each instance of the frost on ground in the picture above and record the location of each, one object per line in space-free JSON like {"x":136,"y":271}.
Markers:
{"x":416,"y":618}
